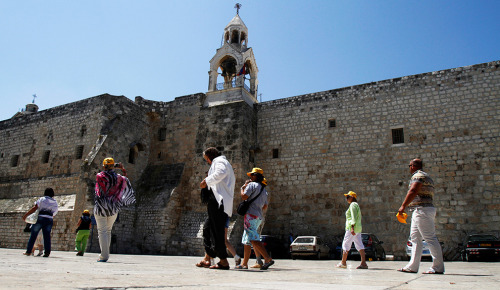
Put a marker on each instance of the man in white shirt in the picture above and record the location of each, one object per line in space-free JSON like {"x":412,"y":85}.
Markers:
{"x":221,"y":181}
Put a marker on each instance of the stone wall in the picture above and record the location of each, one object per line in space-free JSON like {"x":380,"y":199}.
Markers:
{"x":449,"y":119}
{"x":45,"y":144}
{"x":313,"y":148}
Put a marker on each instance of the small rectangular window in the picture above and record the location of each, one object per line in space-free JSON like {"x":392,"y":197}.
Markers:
{"x":79,"y":152}
{"x":162,"y":134}
{"x":83,"y":130}
{"x":131,"y":156}
{"x":332,"y":123}
{"x":46,"y":156}
{"x":398,"y":136}
{"x":14,"y":161}
{"x":276,"y":153}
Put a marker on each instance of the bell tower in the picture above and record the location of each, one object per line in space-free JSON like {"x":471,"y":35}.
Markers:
{"x":233,"y":70}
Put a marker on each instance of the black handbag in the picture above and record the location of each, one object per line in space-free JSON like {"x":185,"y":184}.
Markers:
{"x":245,"y":205}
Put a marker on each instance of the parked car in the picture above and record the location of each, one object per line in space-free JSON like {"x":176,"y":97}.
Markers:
{"x":480,"y":246}
{"x":426,"y":253}
{"x":275,"y":247}
{"x":309,"y":246}
{"x":373,"y":248}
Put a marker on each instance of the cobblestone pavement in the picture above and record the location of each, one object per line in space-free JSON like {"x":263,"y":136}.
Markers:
{"x":65,"y":270}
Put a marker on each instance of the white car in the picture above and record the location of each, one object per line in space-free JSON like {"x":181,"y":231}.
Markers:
{"x":307,"y":246}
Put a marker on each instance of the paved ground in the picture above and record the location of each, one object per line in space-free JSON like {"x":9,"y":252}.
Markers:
{"x":64,"y":270}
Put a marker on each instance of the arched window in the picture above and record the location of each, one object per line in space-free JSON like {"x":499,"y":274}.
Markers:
{"x":234,"y":36}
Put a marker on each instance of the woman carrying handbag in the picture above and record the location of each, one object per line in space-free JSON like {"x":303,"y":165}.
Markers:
{"x":48,"y":209}
{"x":254,"y":189}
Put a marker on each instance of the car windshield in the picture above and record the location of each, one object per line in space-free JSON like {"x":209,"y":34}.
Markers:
{"x":480,"y":238}
{"x":304,"y":240}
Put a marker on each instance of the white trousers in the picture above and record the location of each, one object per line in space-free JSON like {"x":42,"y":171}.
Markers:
{"x":423,"y":228}
{"x":104,"y":226}
{"x":349,"y":239}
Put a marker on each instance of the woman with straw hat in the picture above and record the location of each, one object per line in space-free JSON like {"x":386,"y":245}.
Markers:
{"x":353,"y":232}
{"x":254,"y":189}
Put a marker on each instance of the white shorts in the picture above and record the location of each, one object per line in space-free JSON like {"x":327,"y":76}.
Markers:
{"x":349,"y":239}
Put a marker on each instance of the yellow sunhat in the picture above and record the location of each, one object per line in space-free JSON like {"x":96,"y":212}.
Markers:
{"x":351,"y":193}
{"x":402,"y":218}
{"x":256,"y":170}
{"x":108,"y":161}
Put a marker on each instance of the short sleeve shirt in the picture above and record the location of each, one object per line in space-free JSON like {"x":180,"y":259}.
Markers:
{"x":426,"y":193}
{"x":48,"y":206}
{"x":252,"y":190}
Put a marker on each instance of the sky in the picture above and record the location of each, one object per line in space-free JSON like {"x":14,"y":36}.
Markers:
{"x":66,"y":51}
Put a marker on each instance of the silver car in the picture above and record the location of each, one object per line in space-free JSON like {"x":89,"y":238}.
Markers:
{"x":309,"y":246}
{"x":425,"y":249}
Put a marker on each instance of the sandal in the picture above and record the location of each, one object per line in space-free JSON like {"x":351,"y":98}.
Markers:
{"x":340,"y":265}
{"x":241,"y":267}
{"x":432,"y":272}
{"x":405,"y":270}
{"x":267,"y":265}
{"x":203,"y":264}
{"x":362,"y":267}
{"x":219,"y":266}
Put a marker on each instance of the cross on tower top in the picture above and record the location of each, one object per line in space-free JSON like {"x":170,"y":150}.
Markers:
{"x":237,"y":6}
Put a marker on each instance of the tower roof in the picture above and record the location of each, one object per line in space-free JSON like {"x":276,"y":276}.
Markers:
{"x":236,"y":21}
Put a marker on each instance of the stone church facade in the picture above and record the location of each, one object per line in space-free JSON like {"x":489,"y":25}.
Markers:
{"x":313,"y":148}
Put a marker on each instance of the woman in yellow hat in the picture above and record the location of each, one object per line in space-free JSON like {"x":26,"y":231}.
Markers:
{"x":254,"y":189}
{"x":353,"y":232}
{"x":82,"y":232}
{"x":112,"y":192}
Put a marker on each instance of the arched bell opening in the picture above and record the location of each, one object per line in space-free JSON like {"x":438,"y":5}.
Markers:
{"x":243,"y":40}
{"x":249,"y":77}
{"x":226,"y":72}
{"x":235,"y":37}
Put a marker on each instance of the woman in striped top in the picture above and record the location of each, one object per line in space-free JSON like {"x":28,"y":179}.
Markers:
{"x":112,"y":192}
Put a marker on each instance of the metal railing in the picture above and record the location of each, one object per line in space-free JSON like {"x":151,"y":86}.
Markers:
{"x":232,"y":84}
